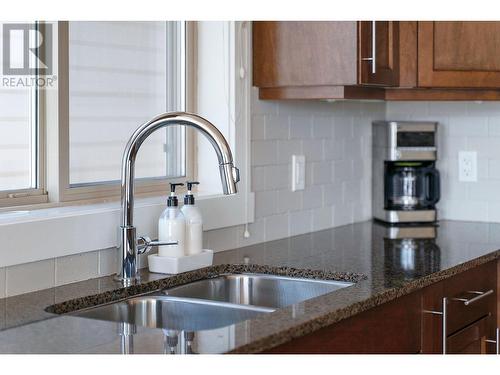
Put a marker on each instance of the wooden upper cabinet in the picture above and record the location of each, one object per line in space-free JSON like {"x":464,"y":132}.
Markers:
{"x":304,"y":54}
{"x":386,"y":60}
{"x":378,"y":43}
{"x":459,"y":54}
{"x":315,"y":60}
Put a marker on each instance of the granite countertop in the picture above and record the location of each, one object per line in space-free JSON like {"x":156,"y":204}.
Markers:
{"x":382,"y":269}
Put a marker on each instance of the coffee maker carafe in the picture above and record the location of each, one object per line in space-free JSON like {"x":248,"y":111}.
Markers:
{"x":411,"y":186}
{"x":406,"y":183}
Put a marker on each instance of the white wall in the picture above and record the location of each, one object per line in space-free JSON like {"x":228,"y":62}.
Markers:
{"x":471,"y":126}
{"x":336,"y":140}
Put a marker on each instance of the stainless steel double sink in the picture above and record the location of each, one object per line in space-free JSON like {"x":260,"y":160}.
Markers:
{"x":213,"y":303}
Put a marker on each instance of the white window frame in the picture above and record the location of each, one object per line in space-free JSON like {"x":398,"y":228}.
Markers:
{"x":55,"y":231}
{"x":59,"y":187}
{"x":11,"y":198}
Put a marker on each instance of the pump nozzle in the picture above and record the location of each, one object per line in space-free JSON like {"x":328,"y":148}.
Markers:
{"x":190,"y":184}
{"x":189,"y":198}
{"x":172,"y":199}
{"x":173,"y":186}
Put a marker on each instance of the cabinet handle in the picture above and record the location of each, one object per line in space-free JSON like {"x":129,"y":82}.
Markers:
{"x":479,"y":295}
{"x":444,"y":316}
{"x":373,"y":59}
{"x":496,"y":341}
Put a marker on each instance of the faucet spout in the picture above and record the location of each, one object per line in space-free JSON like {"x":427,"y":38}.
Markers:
{"x":228,"y":172}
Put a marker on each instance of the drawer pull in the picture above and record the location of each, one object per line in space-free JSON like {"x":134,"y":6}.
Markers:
{"x":444,"y":317}
{"x":479,"y":295}
{"x":496,"y":341}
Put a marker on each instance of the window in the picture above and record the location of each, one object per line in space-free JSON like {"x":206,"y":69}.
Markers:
{"x":206,"y":70}
{"x":21,"y":170}
{"x":118,"y":79}
{"x":111,"y":77}
{"x":120,"y":75}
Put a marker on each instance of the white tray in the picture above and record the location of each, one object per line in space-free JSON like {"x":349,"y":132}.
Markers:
{"x":186,"y":263}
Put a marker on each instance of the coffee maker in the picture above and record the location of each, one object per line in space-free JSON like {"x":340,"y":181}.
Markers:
{"x":406,"y":183}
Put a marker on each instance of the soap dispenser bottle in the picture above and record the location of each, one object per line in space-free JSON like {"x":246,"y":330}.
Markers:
{"x":194,"y":222}
{"x":172,"y":227}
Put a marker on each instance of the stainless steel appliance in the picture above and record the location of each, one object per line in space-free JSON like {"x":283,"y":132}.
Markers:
{"x":406,"y":183}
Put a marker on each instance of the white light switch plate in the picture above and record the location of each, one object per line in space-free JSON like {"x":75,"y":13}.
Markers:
{"x":467,"y":166}
{"x":298,"y":172}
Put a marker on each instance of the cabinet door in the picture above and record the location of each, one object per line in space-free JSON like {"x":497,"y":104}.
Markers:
{"x":378,"y":53}
{"x":459,"y":54}
{"x":391,"y":328}
{"x":470,"y":317}
{"x":470,"y":340}
{"x":294,"y":54}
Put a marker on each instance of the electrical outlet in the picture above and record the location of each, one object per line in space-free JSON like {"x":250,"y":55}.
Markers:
{"x":298,"y":172}
{"x":467,"y":166}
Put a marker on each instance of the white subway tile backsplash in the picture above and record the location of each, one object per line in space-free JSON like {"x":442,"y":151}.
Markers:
{"x":3,"y":286}
{"x":352,"y":191}
{"x":343,"y":214}
{"x":288,"y":200}
{"x":322,"y":173}
{"x":343,"y":128}
{"x":28,"y":277}
{"x":108,"y":261}
{"x":267,"y":203}
{"x":494,"y":169}
{"x":264,"y":153}
{"x":494,"y":125}
{"x":258,"y":127}
{"x":258,"y":178}
{"x":333,"y":194}
{"x":300,"y":222}
{"x":287,"y":148}
{"x":277,"y":127}
{"x":333,"y":149}
{"x":313,"y":149}
{"x":468,"y":125}
{"x":322,"y":218}
{"x":322,"y":127}
{"x":256,"y":230}
{"x":277,"y":176}
{"x":343,"y":170}
{"x":300,"y":127}
{"x":222,"y":239}
{"x":276,"y":226}
{"x":77,"y":267}
{"x":313,"y":197}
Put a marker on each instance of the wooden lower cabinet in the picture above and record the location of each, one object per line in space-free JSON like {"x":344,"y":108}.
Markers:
{"x":471,"y":339}
{"x":390,"y":328}
{"x":414,"y":323}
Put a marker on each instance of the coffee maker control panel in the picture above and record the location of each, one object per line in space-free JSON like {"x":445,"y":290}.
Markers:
{"x":405,"y":140}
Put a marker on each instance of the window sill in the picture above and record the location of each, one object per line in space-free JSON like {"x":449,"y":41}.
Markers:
{"x":34,"y":235}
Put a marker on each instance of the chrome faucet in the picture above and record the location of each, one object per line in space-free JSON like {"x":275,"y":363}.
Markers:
{"x":129,"y":245}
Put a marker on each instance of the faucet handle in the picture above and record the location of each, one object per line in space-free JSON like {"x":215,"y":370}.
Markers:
{"x":144,"y":244}
{"x":236,"y":174}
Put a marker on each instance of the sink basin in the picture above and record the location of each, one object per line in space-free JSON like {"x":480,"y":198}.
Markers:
{"x":213,"y":303}
{"x":256,"y":289}
{"x":173,"y":313}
